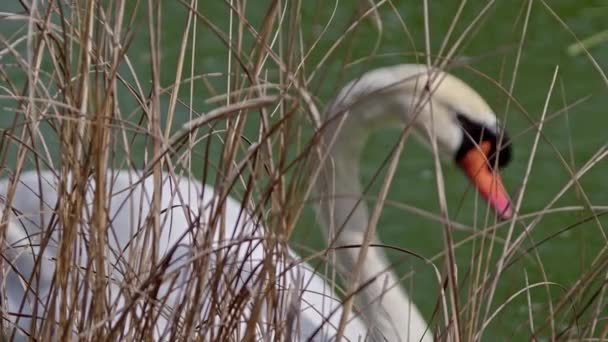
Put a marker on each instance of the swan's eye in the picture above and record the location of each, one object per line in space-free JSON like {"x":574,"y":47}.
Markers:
{"x":474,"y":133}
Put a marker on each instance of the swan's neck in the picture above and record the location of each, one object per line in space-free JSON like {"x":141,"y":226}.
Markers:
{"x":342,"y":206}
{"x":344,"y":214}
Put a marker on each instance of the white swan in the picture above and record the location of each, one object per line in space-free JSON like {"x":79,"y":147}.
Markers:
{"x":445,"y":108}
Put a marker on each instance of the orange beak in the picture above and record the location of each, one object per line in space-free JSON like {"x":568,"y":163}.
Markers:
{"x":487,"y":181}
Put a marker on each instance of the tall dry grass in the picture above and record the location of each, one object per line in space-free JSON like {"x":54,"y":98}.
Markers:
{"x":83,"y":103}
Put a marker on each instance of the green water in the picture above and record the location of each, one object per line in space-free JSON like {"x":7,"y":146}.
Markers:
{"x":491,"y":47}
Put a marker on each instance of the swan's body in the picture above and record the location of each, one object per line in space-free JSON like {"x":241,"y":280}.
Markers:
{"x":383,"y":97}
{"x":129,"y":204}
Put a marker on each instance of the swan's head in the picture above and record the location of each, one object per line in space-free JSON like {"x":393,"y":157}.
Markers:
{"x":438,"y":107}
{"x":466,"y":131}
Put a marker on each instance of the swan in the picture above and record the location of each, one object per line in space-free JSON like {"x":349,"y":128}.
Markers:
{"x":439,"y":108}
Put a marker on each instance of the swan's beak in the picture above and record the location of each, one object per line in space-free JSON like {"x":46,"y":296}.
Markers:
{"x":487,"y":181}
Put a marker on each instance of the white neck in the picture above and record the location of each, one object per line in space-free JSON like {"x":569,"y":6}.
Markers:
{"x":383,"y":304}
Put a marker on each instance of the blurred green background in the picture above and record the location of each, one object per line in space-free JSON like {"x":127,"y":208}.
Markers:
{"x":491,"y":47}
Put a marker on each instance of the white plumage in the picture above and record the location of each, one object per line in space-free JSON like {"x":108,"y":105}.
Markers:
{"x":129,"y":205}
